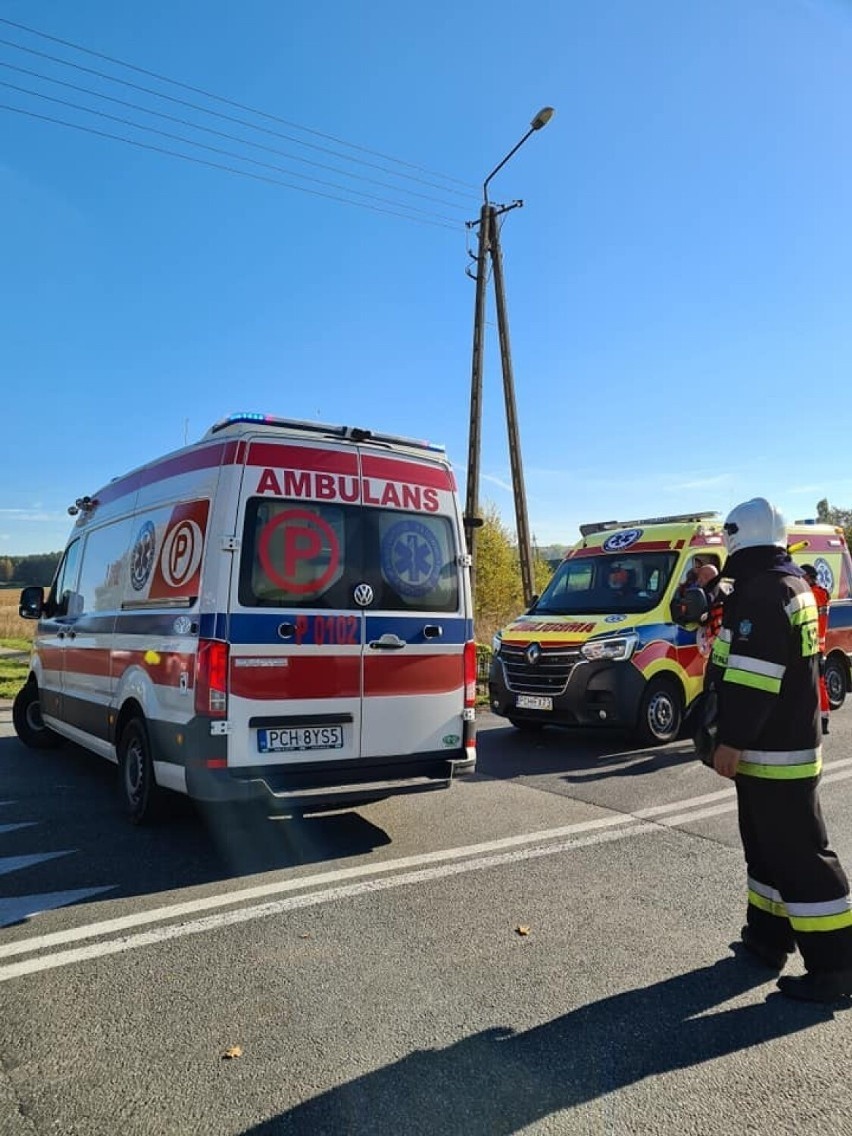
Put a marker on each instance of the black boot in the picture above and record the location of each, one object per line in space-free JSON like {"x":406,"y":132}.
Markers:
{"x":825,"y":724}
{"x":767,"y":954}
{"x":818,"y":986}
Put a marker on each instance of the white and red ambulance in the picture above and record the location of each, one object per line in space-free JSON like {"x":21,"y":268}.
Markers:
{"x":280,"y":613}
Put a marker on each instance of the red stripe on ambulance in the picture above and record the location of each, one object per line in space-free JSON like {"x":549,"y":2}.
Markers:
{"x":316,"y":676}
{"x":412,"y":473}
{"x":302,"y":457}
{"x":424,"y":674}
{"x":206,"y":457}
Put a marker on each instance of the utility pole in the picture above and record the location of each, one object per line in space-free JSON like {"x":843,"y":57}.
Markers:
{"x":489,"y":245}
{"x":525,"y":552}
{"x":472,"y":520}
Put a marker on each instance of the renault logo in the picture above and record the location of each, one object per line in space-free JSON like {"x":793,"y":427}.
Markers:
{"x":363,"y":595}
{"x":533,"y":654}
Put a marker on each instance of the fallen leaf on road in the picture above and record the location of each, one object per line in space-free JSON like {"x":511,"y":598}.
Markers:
{"x":234,"y":1051}
{"x":522,"y":930}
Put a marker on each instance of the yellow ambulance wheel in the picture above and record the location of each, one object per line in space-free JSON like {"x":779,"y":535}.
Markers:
{"x":139,"y":789}
{"x":660,"y":712}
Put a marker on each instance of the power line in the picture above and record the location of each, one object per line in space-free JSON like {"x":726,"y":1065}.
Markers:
{"x":220,"y":114}
{"x":221,"y":166}
{"x":224,"y":134}
{"x":219,"y":150}
{"x":231,"y":102}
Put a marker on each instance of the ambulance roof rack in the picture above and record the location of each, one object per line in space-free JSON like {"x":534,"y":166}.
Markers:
{"x":352,"y":433}
{"x":604,"y":526}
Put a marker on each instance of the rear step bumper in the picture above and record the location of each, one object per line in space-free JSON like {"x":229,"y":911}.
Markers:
{"x":321,"y":786}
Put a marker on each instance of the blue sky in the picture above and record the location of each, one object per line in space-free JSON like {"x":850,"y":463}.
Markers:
{"x":679,"y":280}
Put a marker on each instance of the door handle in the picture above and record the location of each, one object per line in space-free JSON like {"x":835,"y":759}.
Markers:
{"x":387,"y":642}
{"x":433,"y":631}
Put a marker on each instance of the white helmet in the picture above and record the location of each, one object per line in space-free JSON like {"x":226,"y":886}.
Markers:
{"x":754,"y":524}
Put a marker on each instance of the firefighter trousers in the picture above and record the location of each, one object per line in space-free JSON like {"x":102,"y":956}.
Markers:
{"x":798,"y":893}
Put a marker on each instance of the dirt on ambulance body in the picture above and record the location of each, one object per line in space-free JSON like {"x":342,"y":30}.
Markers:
{"x":599,"y":647}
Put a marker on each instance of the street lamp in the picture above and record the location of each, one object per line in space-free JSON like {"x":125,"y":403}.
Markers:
{"x":541,"y":119}
{"x":489,"y":243}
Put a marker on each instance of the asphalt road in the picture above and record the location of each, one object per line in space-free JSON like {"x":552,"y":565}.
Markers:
{"x":370,"y":968}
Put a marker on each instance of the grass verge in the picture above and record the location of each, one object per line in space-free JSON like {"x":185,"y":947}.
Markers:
{"x":14,"y":669}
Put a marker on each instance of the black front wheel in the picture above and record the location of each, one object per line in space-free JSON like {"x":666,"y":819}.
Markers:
{"x":660,"y":712}
{"x":139,"y":791}
{"x":835,"y":681}
{"x":28,"y":722}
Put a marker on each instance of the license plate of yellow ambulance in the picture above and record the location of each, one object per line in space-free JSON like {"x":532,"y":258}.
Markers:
{"x":534,"y":702}
{"x":288,"y":739}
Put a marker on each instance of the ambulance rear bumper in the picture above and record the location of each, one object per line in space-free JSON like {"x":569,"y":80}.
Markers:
{"x":337,"y":784}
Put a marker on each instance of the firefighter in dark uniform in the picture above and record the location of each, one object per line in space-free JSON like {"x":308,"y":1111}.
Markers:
{"x":764,"y":671}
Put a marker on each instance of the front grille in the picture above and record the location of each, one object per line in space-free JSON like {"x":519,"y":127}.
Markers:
{"x":549,"y":675}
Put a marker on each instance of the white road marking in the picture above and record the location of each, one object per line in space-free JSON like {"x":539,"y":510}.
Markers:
{"x":310,"y":899}
{"x":20,"y":907}
{"x":15,"y":863}
{"x":468,"y":858}
{"x":261,"y":891}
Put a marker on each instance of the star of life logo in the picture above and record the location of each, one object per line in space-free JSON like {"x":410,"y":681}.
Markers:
{"x":621,"y":540}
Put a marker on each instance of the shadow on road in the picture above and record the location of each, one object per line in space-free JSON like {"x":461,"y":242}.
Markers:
{"x":575,"y":753}
{"x":62,"y":828}
{"x":498,"y":1081}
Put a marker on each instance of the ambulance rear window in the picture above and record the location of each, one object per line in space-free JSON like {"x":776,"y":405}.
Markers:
{"x":312,"y":554}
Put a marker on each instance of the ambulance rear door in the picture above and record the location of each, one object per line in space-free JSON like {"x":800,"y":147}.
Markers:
{"x":416,"y":610}
{"x":295,"y":631}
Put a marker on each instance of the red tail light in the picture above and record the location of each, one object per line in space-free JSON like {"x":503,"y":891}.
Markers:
{"x":470,"y":673}
{"x":211,"y":678}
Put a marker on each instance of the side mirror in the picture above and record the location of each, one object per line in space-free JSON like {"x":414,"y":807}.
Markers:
{"x":31,"y":604}
{"x":690,"y":607}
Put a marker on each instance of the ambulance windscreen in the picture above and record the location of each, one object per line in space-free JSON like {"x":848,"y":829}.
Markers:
{"x":608,"y":585}
{"x":317,"y":554}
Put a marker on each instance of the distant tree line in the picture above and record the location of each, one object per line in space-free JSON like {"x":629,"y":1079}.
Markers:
{"x":24,"y":570}
{"x":832,"y":516}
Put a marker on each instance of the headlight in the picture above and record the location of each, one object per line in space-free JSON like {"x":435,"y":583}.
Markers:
{"x":615,"y":649}
{"x":497,"y":643}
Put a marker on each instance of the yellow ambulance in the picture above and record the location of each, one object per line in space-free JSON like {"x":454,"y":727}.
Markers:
{"x":599,"y":646}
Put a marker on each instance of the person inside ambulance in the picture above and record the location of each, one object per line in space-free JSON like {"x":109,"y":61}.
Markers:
{"x":620,"y":582}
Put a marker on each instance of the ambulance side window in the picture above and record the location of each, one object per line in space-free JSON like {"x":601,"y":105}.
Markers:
{"x":64,"y":584}
{"x":695,"y":562}
{"x":104,"y":553}
{"x":845,"y":589}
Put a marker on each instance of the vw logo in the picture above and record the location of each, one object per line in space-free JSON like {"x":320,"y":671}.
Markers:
{"x":532,"y":654}
{"x":363,"y":595}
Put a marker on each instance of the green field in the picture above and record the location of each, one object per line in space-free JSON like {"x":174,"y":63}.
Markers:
{"x":13,"y":668}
